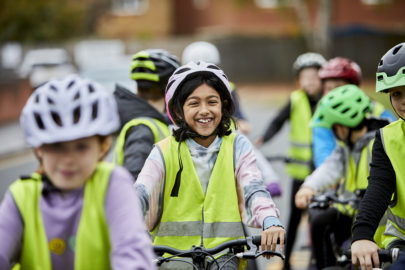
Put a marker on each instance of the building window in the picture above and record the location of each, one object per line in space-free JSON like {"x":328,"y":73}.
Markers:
{"x":130,"y":7}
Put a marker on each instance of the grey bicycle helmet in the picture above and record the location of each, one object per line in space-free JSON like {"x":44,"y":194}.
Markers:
{"x":153,"y":67}
{"x":201,"y":51}
{"x":306,"y":60}
{"x":391,"y":69}
{"x":69,"y":109}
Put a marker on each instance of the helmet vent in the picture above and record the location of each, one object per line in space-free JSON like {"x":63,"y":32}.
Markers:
{"x":337,"y":105}
{"x":213,"y":67}
{"x":354,"y":115}
{"x":182,"y":70}
{"x":366,"y":109}
{"x":381,"y":77}
{"x":77,"y":96}
{"x":39,"y":122}
{"x":396,"y":50}
{"x":56,"y":118}
{"x":53,"y":88}
{"x":359,"y":100}
{"x":169,"y":84}
{"x":91,"y":89}
{"x":72,"y":82}
{"x":50,"y":101}
{"x":345,"y":110}
{"x":381,"y":63}
{"x":76,"y":115}
{"x":94,"y":112}
{"x":37,"y":99}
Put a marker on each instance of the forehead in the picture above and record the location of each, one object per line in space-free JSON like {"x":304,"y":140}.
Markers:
{"x":204,"y":91}
{"x":398,"y":88}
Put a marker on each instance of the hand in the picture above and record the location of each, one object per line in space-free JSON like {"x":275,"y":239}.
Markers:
{"x":270,"y":237}
{"x":274,"y":188}
{"x":364,"y":253}
{"x":259,"y":141}
{"x":303,"y":197}
{"x":244,"y":126}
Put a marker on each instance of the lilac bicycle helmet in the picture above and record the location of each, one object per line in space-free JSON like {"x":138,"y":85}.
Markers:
{"x":183,"y":73}
{"x":69,"y":109}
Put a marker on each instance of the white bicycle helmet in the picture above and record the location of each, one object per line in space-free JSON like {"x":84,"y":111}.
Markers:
{"x":68,"y":109}
{"x":306,"y":60}
{"x":201,"y":51}
{"x":183,"y":72}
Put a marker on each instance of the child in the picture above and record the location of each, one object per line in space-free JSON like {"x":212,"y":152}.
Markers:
{"x":385,"y":190}
{"x":143,"y":119}
{"x":336,"y":72}
{"x":80,"y":213}
{"x":344,"y":110}
{"x":208,"y":52}
{"x":299,"y":111}
{"x":204,"y":173}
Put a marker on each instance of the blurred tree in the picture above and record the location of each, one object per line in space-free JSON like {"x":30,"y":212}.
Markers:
{"x":317,"y":36}
{"x":48,"y":20}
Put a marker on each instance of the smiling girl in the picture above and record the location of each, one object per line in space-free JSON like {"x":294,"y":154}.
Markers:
{"x":78,"y":212}
{"x":205,"y":175}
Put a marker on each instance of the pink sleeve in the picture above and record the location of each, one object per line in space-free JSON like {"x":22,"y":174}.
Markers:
{"x":255,"y":203}
{"x":150,"y":187}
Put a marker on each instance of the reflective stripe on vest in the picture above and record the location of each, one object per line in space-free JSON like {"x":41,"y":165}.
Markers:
{"x":300,"y":136}
{"x":92,"y":248}
{"x":193,"y":214}
{"x":159,"y":129}
{"x":393,"y":138}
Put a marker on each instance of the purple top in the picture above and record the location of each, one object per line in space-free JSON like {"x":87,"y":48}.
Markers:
{"x":131,"y":246}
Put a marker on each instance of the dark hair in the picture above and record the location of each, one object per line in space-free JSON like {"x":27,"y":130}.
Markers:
{"x":186,"y":88}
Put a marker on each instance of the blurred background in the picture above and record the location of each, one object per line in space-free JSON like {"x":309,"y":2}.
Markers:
{"x":258,"y":39}
{"x":258,"y":42}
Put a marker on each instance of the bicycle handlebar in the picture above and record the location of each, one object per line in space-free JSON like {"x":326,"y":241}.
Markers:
{"x":385,"y":255}
{"x":323,"y":201}
{"x":251,"y":242}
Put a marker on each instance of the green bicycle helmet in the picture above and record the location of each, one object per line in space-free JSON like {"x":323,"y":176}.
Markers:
{"x":346,"y":105}
{"x":153,"y":67}
{"x":391,"y":69}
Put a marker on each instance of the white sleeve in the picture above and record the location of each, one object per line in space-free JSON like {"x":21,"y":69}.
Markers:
{"x":329,"y":173}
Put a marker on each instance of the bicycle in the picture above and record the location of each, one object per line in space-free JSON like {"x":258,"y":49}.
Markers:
{"x":247,"y":248}
{"x":326,"y":200}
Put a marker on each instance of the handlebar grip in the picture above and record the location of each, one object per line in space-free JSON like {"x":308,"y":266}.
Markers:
{"x":257,"y":240}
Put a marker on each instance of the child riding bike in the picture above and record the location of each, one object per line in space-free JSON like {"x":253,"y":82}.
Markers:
{"x":344,"y":110}
{"x":143,"y":118}
{"x":385,"y":191}
{"x":77,"y":212}
{"x":202,"y":182}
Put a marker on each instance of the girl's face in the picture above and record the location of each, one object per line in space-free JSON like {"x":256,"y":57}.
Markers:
{"x":309,"y":81}
{"x":203,"y":112}
{"x":397,"y":96}
{"x":332,"y":83}
{"x":69,"y":164}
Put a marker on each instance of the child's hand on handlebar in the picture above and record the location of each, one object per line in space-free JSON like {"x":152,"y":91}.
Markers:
{"x":364,"y":253}
{"x":303,"y":197}
{"x":270,"y":237}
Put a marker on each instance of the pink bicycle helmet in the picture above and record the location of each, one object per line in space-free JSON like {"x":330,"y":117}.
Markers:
{"x":183,"y":73}
{"x":341,"y":68}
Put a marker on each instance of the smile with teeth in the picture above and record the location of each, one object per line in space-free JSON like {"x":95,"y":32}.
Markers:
{"x":206,"y":120}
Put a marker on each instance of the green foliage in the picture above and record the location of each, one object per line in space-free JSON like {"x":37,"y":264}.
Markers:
{"x":41,"y":20}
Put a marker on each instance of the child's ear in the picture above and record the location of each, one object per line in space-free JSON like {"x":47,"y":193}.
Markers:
{"x":105,"y":147}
